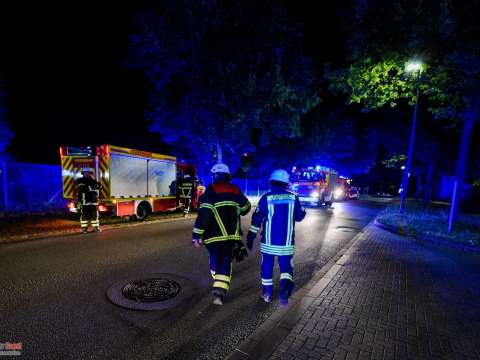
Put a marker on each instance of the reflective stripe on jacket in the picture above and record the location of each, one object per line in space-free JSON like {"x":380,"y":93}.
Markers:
{"x":277,"y":212}
{"x":219,"y":215}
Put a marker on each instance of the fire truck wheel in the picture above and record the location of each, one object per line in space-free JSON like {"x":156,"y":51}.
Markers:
{"x":143,"y":210}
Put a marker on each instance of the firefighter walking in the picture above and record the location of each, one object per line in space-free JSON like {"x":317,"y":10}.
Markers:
{"x":218,"y":227}
{"x":187,"y":189}
{"x":88,"y":192}
{"x":277,"y":212}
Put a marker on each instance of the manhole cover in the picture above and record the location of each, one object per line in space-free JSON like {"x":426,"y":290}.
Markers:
{"x":151,"y":290}
{"x":157,"y":291}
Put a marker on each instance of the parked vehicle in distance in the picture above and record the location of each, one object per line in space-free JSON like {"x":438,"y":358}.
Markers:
{"x":353,"y":193}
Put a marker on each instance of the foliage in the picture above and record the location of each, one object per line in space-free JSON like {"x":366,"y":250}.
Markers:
{"x":394,"y":161}
{"x":221,"y":71}
{"x":386,"y":37}
{"x":5,"y":132}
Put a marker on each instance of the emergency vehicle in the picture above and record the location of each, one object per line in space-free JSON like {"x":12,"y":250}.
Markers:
{"x":314,"y":185}
{"x":343,"y":188}
{"x":133,"y":182}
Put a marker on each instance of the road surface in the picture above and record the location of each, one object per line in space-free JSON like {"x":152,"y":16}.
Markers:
{"x":53,"y":291}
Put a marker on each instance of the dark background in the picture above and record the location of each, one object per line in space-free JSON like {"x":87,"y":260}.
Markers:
{"x":64,"y":66}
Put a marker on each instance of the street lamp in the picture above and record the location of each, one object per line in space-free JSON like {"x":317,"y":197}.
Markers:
{"x":414,"y":68}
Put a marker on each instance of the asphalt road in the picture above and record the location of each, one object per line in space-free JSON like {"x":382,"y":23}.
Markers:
{"x":53,"y":291}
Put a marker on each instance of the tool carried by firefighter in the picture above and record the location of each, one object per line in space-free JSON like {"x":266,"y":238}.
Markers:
{"x":277,"y":212}
{"x":88,"y":190}
{"x":218,"y":227}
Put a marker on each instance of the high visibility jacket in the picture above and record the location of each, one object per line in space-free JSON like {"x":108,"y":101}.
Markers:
{"x":219,"y":215}
{"x":186,"y":187}
{"x":277,"y":212}
{"x":88,"y":191}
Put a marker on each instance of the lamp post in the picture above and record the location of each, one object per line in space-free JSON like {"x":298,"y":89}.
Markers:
{"x":414,"y":68}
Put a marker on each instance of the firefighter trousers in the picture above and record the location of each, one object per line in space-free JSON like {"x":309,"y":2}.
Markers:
{"x":221,"y":254}
{"x":285,"y":263}
{"x":89,"y":214}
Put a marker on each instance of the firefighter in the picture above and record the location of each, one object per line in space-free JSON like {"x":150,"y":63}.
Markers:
{"x":277,"y":212}
{"x":187,"y":187}
{"x":88,"y":193}
{"x":218,"y":227}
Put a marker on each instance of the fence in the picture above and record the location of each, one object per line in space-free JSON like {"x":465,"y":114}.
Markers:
{"x":253,"y":188}
{"x":30,"y":187}
{"x":34,"y":187}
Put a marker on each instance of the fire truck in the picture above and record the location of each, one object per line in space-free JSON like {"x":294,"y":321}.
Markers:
{"x":314,"y":185}
{"x":133,"y":183}
{"x":343,"y":188}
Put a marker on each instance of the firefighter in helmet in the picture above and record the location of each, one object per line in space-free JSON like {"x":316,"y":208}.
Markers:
{"x":277,"y":212}
{"x":187,"y":187}
{"x":88,"y":192}
{"x":218,"y":228}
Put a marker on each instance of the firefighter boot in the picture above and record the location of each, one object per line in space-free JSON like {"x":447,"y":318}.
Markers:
{"x":84,"y":230}
{"x":218,"y":297}
{"x":283,"y":298}
{"x":217,"y":300}
{"x":97,"y":229}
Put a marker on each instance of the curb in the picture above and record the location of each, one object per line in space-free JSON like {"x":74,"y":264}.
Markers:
{"x":76,"y":231}
{"x":264,"y":340}
{"x":430,"y":239}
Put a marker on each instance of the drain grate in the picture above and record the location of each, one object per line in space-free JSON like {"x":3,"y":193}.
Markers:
{"x":151,"y":290}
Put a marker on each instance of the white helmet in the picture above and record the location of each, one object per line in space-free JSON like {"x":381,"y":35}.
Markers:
{"x":220,"y":168}
{"x":280,"y":175}
{"x":88,"y":170}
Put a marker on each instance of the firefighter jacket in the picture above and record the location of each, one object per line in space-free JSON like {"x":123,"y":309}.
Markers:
{"x":187,"y":186}
{"x":277,"y":211}
{"x":88,"y":191}
{"x":219,"y":215}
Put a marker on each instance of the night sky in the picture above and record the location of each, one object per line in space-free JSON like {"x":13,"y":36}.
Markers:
{"x":64,"y":69}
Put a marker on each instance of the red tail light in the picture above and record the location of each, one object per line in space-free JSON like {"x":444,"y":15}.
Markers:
{"x":102,"y":208}
{"x":71,"y":205}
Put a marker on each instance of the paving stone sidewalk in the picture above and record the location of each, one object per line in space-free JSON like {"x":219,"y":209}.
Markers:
{"x":387,"y":297}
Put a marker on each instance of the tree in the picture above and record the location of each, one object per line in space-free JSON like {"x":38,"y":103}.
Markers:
{"x":387,"y":35}
{"x":220,"y":72}
{"x":5,"y":132}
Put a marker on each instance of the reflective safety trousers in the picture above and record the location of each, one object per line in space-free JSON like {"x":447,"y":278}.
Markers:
{"x":277,"y":212}
{"x":219,"y":214}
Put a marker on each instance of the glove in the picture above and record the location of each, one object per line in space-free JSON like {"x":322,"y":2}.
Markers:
{"x":79,"y":206}
{"x":239,"y":251}
{"x":250,"y":239}
{"x":196,"y":242}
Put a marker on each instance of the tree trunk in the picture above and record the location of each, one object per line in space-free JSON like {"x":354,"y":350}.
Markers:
{"x":427,"y":195}
{"x":219,"y":153}
{"x":469,"y":116}
{"x":418,"y":191}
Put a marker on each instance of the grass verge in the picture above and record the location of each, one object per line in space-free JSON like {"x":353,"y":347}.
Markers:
{"x":18,"y":227}
{"x":432,"y":221}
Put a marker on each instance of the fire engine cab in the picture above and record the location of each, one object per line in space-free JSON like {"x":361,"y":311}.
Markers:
{"x":132,"y":182}
{"x":314,"y":185}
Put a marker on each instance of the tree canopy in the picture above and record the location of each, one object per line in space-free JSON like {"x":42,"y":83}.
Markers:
{"x":220,"y":72}
{"x":5,"y":132}
{"x":411,"y":30}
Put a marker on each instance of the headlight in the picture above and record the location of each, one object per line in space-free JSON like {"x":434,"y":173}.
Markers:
{"x":338,"y":193}
{"x":314,"y":194}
